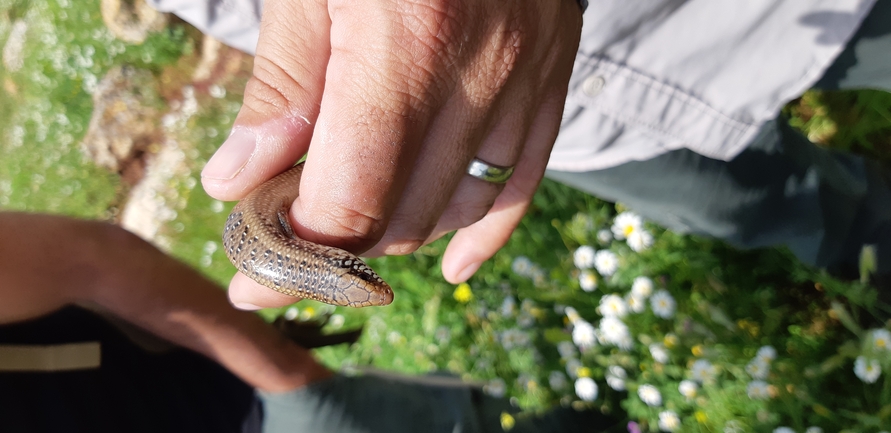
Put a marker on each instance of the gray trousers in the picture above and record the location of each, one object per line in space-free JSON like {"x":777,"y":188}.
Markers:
{"x":782,"y":190}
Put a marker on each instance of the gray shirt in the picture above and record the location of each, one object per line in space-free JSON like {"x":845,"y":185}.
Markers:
{"x":657,"y":75}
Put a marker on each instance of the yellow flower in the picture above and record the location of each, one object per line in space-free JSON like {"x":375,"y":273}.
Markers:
{"x":583,"y":372}
{"x":700,"y":416}
{"x":462,"y":293}
{"x":670,"y":340}
{"x":507,"y":421}
{"x":697,"y":350}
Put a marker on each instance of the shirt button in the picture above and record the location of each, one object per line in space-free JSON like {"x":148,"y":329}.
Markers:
{"x":593,"y":85}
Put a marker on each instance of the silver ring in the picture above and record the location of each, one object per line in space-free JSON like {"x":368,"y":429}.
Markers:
{"x":487,"y":172}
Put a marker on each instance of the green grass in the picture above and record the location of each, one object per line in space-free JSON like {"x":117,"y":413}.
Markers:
{"x":729,"y":303}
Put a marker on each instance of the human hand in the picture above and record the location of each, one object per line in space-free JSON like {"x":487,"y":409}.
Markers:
{"x":391,"y":99}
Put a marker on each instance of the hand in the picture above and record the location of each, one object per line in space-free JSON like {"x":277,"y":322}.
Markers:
{"x":391,"y":99}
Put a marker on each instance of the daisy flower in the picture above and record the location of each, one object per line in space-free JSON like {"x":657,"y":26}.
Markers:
{"x":588,"y":281}
{"x":583,"y":257}
{"x":613,"y":330}
{"x":758,"y":369}
{"x":625,"y":224}
{"x":522,"y":266}
{"x":496,"y":388}
{"x":868,"y":370}
{"x":766,"y":354}
{"x":783,"y":429}
{"x":881,"y":339}
{"x":583,"y":334}
{"x":557,"y":380}
{"x":586,"y":388}
{"x":635,"y":303}
{"x":650,"y":395}
{"x":566,"y":350}
{"x":663,"y":304}
{"x":612,"y":306}
{"x":639,"y":240}
{"x":702,"y":371}
{"x":606,"y":262}
{"x":758,"y":390}
{"x":604,"y":236}
{"x":615,"y":377}
{"x":642,"y":287}
{"x":814,"y":430}
{"x":669,"y":421}
{"x":688,"y":388}
{"x":659,"y":354}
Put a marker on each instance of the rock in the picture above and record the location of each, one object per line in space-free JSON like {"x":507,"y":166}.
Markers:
{"x":124,"y":124}
{"x":131,"y":20}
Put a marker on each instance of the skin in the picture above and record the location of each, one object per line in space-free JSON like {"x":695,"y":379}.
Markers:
{"x":391,"y":99}
{"x":47,"y":262}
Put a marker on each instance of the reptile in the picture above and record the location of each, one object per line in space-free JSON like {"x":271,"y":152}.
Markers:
{"x":259,"y":241}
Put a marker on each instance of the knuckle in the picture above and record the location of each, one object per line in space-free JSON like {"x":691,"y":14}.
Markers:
{"x":362,"y":227}
{"x":467,"y":212}
{"x":272,"y":88}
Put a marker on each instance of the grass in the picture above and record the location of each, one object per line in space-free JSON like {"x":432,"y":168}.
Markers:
{"x":509,"y":328}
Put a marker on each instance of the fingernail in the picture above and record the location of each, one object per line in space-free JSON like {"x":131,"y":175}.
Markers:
{"x":232,"y":156}
{"x":468,"y":271}
{"x":246,"y":306}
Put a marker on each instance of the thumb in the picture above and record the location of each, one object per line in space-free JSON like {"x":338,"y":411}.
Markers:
{"x":281,"y":100}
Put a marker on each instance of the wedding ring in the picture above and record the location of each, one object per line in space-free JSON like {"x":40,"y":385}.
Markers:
{"x":490,"y":173}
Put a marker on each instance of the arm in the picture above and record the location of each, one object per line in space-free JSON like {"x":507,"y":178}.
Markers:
{"x":47,"y":262}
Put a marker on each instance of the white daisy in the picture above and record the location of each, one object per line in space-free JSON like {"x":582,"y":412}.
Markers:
{"x":702,"y":371}
{"x":557,"y":380}
{"x":669,"y":421}
{"x":733,"y":426}
{"x":495,"y":388}
{"x":625,"y":343}
{"x":588,"y":281}
{"x":659,"y":354}
{"x":566,"y":349}
{"x":572,"y":314}
{"x":615,"y":377}
{"x":663,"y":304}
{"x":586,"y":388}
{"x":583,"y":257}
{"x":642,"y":287}
{"x":572,"y":367}
{"x":625,"y":224}
{"x":606,"y":262}
{"x":604,"y":236}
{"x":688,"y":388}
{"x":650,"y":395}
{"x":814,"y":429}
{"x":766,"y":354}
{"x":336,"y":321}
{"x":758,"y":369}
{"x":612,"y":306}
{"x":635,"y":303}
{"x":758,"y":390}
{"x":783,"y":429}
{"x":522,"y":266}
{"x":881,"y":339}
{"x":508,"y":307}
{"x":868,"y":370}
{"x":640,"y":240}
{"x":613,"y":330}
{"x":292,"y":313}
{"x":583,"y":334}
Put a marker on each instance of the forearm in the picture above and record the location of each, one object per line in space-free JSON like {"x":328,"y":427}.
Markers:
{"x":47,"y":262}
